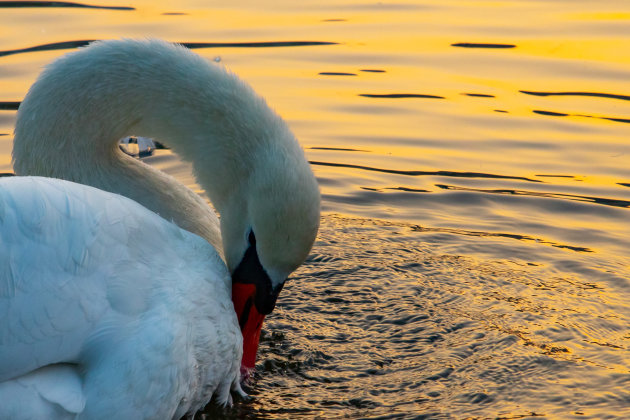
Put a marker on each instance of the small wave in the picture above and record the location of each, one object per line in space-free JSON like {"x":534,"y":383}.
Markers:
{"x":614,"y":202}
{"x":192,"y":45}
{"x":562,"y":114}
{"x":550,"y":113}
{"x":9,"y":105}
{"x":481,"y":45}
{"x":479,"y":95}
{"x":519,"y":237}
{"x":12,"y":4}
{"x":595,"y":94}
{"x":333,"y":73}
{"x":453,"y":174}
{"x":621,"y":120}
{"x":406,"y":189}
{"x":48,"y":47}
{"x":400,"y":95}
{"x":556,"y":176}
{"x":338,"y":149}
{"x":259,"y":44}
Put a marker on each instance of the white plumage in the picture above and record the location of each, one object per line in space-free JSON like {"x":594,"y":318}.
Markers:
{"x":137,"y":309}
{"x":108,"y":308}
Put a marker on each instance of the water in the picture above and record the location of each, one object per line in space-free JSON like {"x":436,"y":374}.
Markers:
{"x":473,"y":160}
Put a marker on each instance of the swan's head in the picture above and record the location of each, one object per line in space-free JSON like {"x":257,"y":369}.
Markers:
{"x":268,"y":229}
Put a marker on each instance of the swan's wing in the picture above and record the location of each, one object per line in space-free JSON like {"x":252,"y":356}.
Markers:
{"x":49,"y":260}
{"x":52,"y":392}
{"x":68,"y":254}
{"x":141,"y":306}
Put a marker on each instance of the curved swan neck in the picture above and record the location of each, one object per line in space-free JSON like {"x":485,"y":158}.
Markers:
{"x":86,"y":101}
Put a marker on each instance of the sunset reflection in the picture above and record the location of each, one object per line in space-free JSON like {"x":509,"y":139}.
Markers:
{"x":473,"y":160}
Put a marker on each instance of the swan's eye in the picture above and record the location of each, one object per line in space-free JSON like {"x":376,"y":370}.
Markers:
{"x":251,"y":238}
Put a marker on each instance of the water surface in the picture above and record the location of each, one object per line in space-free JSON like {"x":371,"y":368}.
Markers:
{"x":473,"y":159}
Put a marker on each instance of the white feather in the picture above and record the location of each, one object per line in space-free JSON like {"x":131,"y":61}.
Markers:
{"x":114,"y":313}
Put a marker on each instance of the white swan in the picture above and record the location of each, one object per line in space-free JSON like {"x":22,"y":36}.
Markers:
{"x":114,"y":312}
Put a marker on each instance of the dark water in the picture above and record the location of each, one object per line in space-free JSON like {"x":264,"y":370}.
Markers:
{"x":387,"y":320}
{"x":474,"y":161}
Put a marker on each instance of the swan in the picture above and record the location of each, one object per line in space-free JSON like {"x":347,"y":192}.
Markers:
{"x":115,"y":279}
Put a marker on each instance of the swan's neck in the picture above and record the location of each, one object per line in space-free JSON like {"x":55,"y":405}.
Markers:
{"x":72,"y":118}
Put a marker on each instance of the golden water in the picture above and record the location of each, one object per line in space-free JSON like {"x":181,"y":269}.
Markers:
{"x":473,"y":256}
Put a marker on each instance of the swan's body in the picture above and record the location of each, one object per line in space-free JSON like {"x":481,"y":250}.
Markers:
{"x":126,"y":314}
{"x":142,"y":337}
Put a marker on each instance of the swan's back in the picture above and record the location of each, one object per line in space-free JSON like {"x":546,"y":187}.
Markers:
{"x":96,"y":285}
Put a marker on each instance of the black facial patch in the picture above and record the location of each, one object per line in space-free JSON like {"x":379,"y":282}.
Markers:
{"x":250,"y":271}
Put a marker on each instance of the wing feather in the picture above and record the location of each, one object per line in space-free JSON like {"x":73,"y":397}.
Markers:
{"x":132,"y":305}
{"x":62,"y":248}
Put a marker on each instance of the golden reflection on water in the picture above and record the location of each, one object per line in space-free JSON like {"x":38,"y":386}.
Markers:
{"x":557,"y":49}
{"x":548,"y":192}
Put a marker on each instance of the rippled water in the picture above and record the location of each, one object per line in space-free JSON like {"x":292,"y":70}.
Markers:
{"x":474,"y":164}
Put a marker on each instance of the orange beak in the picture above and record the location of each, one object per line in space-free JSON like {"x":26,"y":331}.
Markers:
{"x":250,"y":320}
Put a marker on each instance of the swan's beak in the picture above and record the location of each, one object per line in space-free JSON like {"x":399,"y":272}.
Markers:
{"x":253,"y":297}
{"x":251,"y":319}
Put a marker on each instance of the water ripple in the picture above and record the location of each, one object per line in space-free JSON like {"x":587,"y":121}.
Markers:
{"x":481,"y":45}
{"x":12,"y":4}
{"x":453,"y":174}
{"x":614,"y":202}
{"x":258,"y":44}
{"x":550,"y":113}
{"x":338,"y":149}
{"x":192,"y":45}
{"x":502,"y":235}
{"x":333,"y":73}
{"x":479,"y":95}
{"x":400,"y":95}
{"x":48,"y":47}
{"x":562,"y":114}
{"x":594,"y":94}
{"x":9,"y":105}
{"x":384,"y":321}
